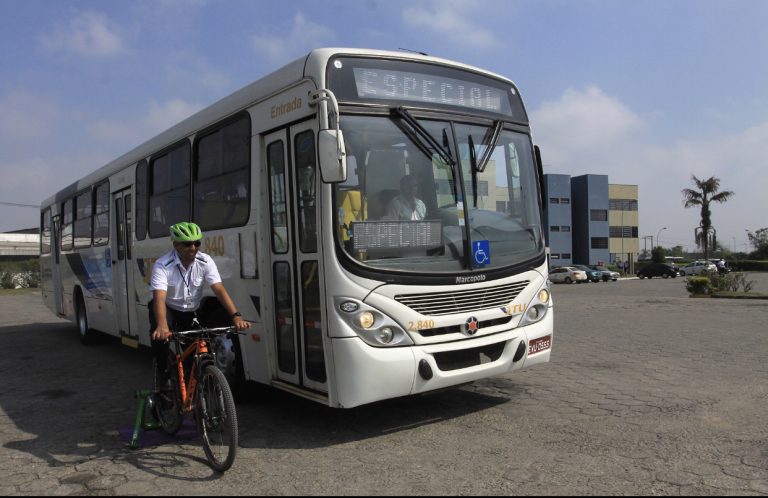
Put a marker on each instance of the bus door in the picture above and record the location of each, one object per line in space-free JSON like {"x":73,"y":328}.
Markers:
{"x":122,"y":276}
{"x":298,"y":319}
{"x":58,"y":290}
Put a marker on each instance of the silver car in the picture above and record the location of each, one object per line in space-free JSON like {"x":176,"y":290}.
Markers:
{"x":607,"y":274}
{"x":567,"y":275}
{"x":697,"y":268}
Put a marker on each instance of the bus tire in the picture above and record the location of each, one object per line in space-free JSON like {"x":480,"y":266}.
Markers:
{"x":87,"y":334}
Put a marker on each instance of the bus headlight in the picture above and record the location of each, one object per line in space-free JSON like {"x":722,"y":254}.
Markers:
{"x":366,"y":319}
{"x":370,"y":324}
{"x":386,"y":334}
{"x":537,"y":308}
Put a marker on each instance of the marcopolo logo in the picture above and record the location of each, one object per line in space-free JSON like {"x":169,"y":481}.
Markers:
{"x":470,"y":279}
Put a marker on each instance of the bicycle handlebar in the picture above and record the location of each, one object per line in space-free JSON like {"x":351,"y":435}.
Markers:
{"x":204,"y":330}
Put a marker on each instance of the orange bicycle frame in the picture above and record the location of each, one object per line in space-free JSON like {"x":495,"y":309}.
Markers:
{"x":197,"y":347}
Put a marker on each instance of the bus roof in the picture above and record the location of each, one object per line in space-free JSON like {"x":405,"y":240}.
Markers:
{"x":311,"y":66}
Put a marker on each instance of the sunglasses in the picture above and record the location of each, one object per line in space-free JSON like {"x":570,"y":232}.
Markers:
{"x":190,"y":244}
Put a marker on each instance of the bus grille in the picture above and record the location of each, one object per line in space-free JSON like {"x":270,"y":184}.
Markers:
{"x":465,"y":358}
{"x":467,"y":301}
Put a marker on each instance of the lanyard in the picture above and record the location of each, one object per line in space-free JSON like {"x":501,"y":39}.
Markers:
{"x":186,"y":284}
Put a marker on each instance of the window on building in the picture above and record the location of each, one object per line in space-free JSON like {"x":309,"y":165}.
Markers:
{"x":622,"y":204}
{"x":554,"y":200}
{"x":566,"y":255}
{"x":565,"y":200}
{"x":599,"y":242}
{"x":598,"y":215}
{"x":565,"y":228}
{"x":554,"y":229}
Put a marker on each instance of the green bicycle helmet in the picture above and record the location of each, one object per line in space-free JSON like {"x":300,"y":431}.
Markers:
{"x":185,"y":232}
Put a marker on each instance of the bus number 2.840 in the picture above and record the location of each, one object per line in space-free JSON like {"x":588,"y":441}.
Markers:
{"x":421,"y":325}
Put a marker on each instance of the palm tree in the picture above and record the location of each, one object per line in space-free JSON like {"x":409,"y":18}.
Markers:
{"x":707,"y":193}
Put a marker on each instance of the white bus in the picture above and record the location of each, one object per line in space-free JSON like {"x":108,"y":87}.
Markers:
{"x":290,"y":179}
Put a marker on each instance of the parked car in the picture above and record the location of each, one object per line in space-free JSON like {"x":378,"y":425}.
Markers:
{"x":567,"y":275}
{"x":606,"y":274}
{"x":592,"y":274}
{"x":657,"y":270}
{"x":697,"y":268}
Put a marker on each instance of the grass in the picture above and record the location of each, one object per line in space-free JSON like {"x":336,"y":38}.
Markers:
{"x":18,"y":292}
{"x":739,"y":295}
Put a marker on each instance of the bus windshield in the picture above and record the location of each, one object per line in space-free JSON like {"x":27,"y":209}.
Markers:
{"x":425,"y":195}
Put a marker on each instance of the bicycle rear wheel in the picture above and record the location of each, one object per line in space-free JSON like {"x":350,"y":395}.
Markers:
{"x":167,"y":408}
{"x":216,"y":418}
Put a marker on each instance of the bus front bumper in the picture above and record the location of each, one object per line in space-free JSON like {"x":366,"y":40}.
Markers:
{"x":365,"y":374}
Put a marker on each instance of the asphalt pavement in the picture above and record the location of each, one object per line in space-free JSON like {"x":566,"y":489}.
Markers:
{"x":648,"y":392}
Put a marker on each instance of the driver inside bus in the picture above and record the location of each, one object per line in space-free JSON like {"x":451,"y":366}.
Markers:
{"x":407,"y":206}
{"x":177,"y":290}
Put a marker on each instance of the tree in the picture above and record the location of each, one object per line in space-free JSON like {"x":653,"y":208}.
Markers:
{"x":658,"y":254}
{"x":707,"y":193}
{"x":759,"y":239}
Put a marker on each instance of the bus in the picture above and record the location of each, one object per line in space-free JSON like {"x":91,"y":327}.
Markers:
{"x":290,"y":179}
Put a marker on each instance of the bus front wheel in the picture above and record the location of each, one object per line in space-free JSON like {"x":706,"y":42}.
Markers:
{"x":86,"y":333}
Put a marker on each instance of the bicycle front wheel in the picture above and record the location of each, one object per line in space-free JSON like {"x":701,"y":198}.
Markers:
{"x":216,"y":418}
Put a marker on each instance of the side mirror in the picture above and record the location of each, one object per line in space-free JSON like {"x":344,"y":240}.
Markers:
{"x":332,"y":156}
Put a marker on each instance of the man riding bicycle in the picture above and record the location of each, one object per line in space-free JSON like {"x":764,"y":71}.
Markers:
{"x":177,"y":290}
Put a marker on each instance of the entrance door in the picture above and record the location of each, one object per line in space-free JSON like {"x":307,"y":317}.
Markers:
{"x":58,"y":290}
{"x":122,"y":276}
{"x":296,"y":270}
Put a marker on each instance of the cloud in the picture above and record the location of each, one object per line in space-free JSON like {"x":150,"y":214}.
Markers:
{"x":186,"y":68}
{"x":89,"y":34}
{"x":26,"y":116}
{"x":158,"y":118}
{"x":451,"y":19}
{"x":303,"y":36}
{"x":583,"y":122}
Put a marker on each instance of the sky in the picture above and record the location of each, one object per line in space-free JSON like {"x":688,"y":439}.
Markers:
{"x":648,"y":93}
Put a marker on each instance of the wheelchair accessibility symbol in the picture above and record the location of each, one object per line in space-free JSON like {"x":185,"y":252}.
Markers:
{"x":481,"y":250}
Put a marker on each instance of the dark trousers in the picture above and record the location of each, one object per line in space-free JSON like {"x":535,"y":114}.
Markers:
{"x":177,"y":320}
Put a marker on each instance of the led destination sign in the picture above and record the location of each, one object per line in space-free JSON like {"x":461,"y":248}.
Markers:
{"x":400,"y":82}
{"x":415,"y":87}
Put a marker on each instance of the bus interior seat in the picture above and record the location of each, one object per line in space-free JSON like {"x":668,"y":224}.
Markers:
{"x":351,"y":202}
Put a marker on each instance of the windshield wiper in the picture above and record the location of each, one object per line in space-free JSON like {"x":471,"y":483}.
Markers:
{"x":474,"y":167}
{"x":420,"y":136}
{"x":489,"y":141}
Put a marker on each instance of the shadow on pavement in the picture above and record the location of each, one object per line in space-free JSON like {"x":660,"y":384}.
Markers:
{"x":64,"y":403}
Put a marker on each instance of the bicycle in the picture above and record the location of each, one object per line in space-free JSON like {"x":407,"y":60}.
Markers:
{"x":200,"y":389}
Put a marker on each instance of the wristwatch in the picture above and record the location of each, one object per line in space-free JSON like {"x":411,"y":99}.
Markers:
{"x":236,"y":313}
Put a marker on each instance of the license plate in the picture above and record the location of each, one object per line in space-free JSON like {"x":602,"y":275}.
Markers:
{"x":540,"y":344}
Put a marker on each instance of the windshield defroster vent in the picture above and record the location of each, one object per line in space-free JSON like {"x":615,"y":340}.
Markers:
{"x":465,"y":301}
